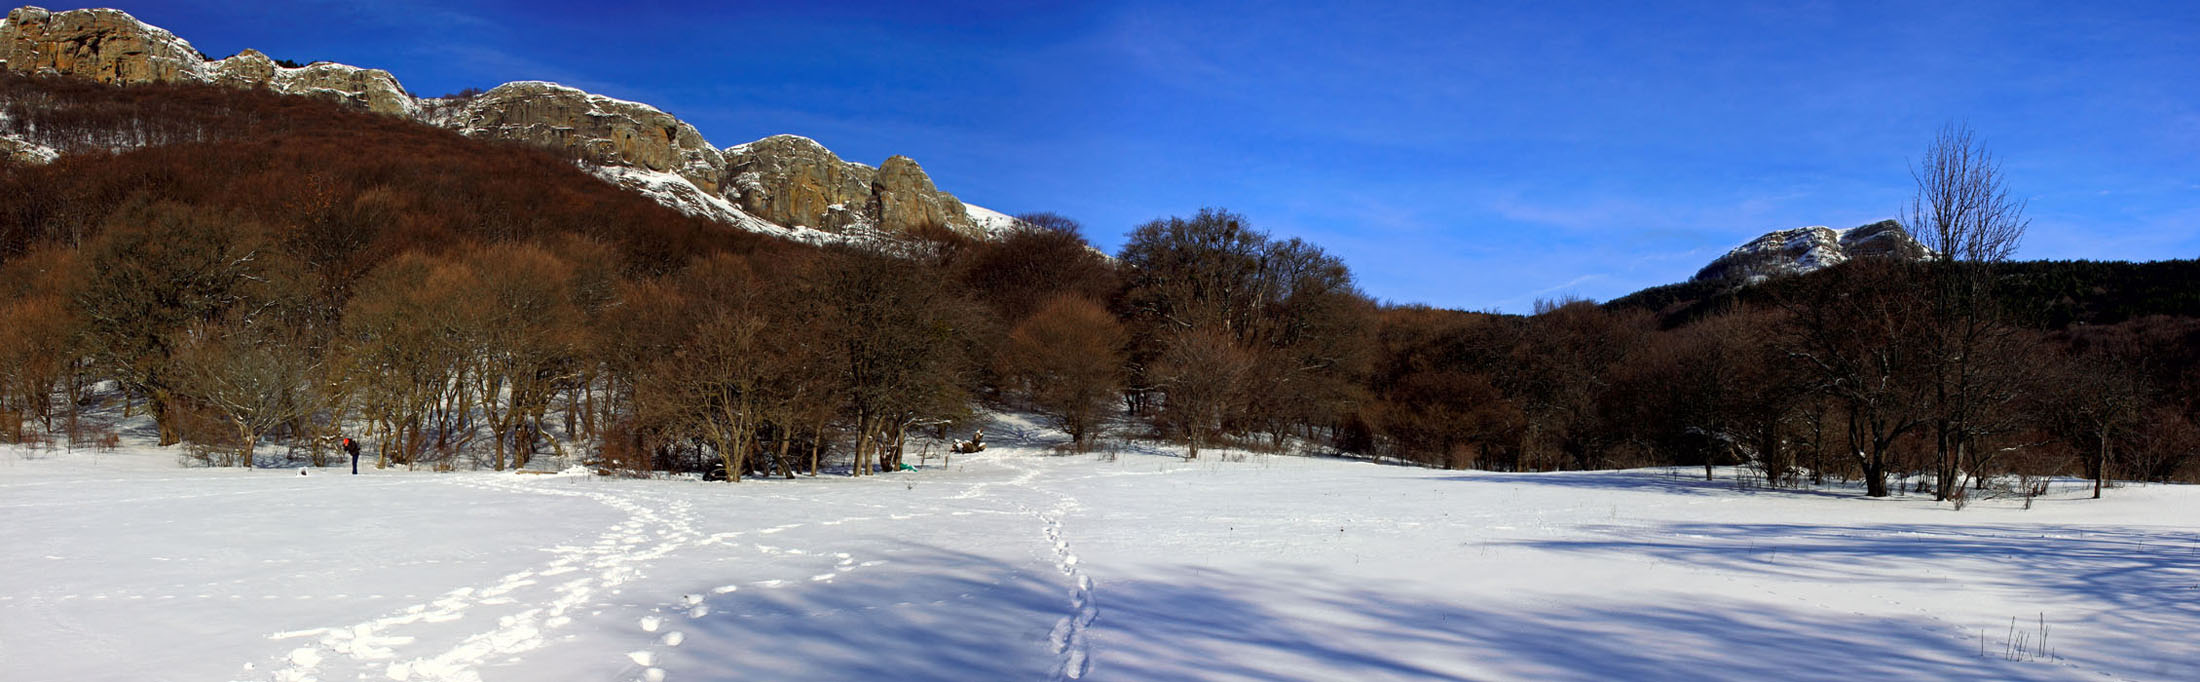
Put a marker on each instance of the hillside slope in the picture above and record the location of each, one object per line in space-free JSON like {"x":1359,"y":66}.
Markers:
{"x":773,"y":186}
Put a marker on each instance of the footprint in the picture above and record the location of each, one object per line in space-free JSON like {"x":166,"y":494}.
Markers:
{"x":1076,"y":668}
{"x":1059,"y":637}
{"x":722,"y":589}
{"x":699,"y":611}
{"x":654,"y":675}
{"x":692,"y":599}
{"x":672,"y":638}
{"x":642,"y":658}
{"x":651,"y":623}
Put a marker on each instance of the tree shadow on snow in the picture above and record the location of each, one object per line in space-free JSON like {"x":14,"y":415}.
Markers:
{"x":939,"y":614}
{"x":1642,"y":481}
{"x":928,"y":614}
{"x":2148,"y":579}
{"x":1235,"y":627}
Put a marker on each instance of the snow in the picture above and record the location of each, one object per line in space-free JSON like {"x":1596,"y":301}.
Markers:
{"x":993,"y":224}
{"x":1018,"y":563}
{"x":678,"y":192}
{"x":35,"y":153}
{"x":743,"y":148}
{"x":1812,"y":248}
{"x":593,"y":98}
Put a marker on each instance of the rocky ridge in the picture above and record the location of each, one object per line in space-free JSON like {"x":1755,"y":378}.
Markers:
{"x":785,"y":185}
{"x":1806,"y":249}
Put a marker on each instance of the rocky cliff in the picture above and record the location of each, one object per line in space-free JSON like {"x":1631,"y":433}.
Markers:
{"x":605,"y":131}
{"x":791,"y":184}
{"x":104,"y":45}
{"x":372,"y":89}
{"x":794,"y":181}
{"x":1805,"y":249}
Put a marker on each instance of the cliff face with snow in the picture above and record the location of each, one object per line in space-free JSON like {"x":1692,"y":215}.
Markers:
{"x":1806,"y":249}
{"x":784,"y":185}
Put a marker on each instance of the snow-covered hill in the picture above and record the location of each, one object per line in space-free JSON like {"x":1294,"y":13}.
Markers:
{"x":1807,"y":249}
{"x":1020,"y":564}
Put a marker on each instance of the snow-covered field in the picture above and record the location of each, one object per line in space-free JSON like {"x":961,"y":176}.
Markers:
{"x":1016,"y":564}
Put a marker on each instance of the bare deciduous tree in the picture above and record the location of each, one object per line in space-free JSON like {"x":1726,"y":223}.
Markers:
{"x":253,"y":377}
{"x":1862,"y":334}
{"x":1963,"y":212}
{"x":1202,"y":372}
{"x":1068,"y":359}
{"x":1962,"y":209}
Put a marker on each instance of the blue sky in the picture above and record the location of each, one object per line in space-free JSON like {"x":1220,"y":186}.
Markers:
{"x":1465,"y":155}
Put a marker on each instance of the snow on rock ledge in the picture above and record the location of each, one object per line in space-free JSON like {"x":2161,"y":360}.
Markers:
{"x":17,"y":150}
{"x":607,"y":131}
{"x":678,"y":193}
{"x":1809,"y":249}
{"x":104,"y":45}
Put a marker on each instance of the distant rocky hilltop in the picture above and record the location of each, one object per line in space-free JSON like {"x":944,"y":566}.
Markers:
{"x":784,"y":184}
{"x":1805,"y":249}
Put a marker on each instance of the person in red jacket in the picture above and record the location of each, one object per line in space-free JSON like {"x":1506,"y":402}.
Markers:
{"x":351,"y":447}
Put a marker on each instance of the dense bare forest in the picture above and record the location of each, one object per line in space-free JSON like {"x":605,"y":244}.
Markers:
{"x":257,"y":270}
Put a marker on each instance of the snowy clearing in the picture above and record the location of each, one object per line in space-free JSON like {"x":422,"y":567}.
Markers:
{"x":1017,"y":564}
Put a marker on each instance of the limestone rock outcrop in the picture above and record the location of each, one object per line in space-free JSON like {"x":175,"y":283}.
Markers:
{"x":905,"y":199}
{"x":604,"y":130}
{"x":247,"y":69}
{"x":1806,"y":249}
{"x":105,"y":45}
{"x":793,"y":180}
{"x":110,"y":46}
{"x":373,"y":89}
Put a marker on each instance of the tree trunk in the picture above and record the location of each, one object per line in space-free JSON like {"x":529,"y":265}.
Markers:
{"x":158,"y":403}
{"x":1875,"y":476}
{"x":817,"y":444}
{"x":244,"y":450}
{"x":786,"y":439}
{"x":2100,"y":466}
{"x":863,"y":445}
{"x":901,"y":445}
